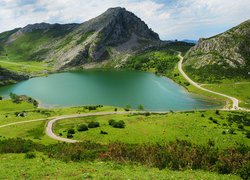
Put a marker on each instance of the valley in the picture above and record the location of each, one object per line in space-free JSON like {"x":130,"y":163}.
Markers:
{"x":108,"y":99}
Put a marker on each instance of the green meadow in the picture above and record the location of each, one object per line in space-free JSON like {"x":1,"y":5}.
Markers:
{"x":16,"y":166}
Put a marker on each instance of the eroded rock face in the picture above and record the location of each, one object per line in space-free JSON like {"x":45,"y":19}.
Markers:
{"x":9,"y":77}
{"x":229,"y":50}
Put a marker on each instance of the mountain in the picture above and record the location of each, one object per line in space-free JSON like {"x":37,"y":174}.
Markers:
{"x":226,"y":55}
{"x":112,"y":34}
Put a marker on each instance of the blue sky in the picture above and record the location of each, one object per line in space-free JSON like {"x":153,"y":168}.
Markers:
{"x":172,"y":19}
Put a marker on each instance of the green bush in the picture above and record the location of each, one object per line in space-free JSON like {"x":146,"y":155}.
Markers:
{"x":93,"y":124}
{"x":103,"y":132}
{"x":241,"y":126}
{"x":82,"y":127}
{"x":111,"y":121}
{"x":71,"y":131}
{"x":117,"y":124}
{"x":69,"y":135}
{"x":30,"y":155}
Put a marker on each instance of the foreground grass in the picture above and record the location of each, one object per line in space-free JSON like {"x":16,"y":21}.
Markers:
{"x":162,"y":128}
{"x":16,"y":166}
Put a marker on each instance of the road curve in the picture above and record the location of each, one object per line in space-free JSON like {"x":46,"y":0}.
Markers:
{"x":49,"y":127}
{"x":234,"y":100}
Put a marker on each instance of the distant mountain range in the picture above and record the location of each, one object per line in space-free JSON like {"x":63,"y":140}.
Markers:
{"x":190,"y":41}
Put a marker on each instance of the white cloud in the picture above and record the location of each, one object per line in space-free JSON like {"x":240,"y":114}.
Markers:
{"x":171,"y":18}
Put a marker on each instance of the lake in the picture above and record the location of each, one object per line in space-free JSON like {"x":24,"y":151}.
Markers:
{"x":109,"y":87}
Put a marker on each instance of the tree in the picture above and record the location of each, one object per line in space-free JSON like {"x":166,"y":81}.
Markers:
{"x":82,"y":127}
{"x":71,"y":131}
{"x":1,"y":98}
{"x":140,"y":107}
{"x":93,"y":124}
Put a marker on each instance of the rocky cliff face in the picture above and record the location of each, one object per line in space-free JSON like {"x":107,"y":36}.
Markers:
{"x":227,"y":52}
{"x":9,"y":77}
{"x":116,"y":31}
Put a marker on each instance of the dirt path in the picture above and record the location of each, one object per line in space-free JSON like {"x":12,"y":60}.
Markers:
{"x":234,"y":100}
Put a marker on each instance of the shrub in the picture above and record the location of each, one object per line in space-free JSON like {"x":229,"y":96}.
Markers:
{"x":115,"y":109}
{"x":231,"y":131}
{"x":30,"y":155}
{"x":69,"y":135}
{"x":223,"y":132}
{"x":240,"y":126}
{"x":211,"y":118}
{"x":118,"y":124}
{"x":140,"y":107}
{"x":93,"y":124}
{"x":111,"y":121}
{"x":71,"y":131}
{"x":215,"y":121}
{"x":202,"y":115}
{"x":103,"y":132}
{"x":82,"y":127}
{"x":1,"y":98}
{"x":248,"y":134}
{"x":217,"y":112}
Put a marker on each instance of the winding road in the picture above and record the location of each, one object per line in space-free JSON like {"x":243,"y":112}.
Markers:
{"x":234,"y":100}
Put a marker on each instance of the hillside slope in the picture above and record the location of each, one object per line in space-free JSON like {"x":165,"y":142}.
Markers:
{"x":223,"y":56}
{"x":116,"y":31}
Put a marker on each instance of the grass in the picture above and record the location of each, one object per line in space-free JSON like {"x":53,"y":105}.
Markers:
{"x":34,"y":131}
{"x":16,"y":166}
{"x":161,"y":128}
{"x":8,"y":110}
{"x":36,"y":68}
{"x":240,"y":90}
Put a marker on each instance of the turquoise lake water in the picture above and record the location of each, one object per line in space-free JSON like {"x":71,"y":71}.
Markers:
{"x":105,"y":87}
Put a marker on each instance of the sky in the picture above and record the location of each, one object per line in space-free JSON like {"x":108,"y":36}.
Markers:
{"x":171,"y":19}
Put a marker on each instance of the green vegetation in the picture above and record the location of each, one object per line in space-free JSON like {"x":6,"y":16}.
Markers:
{"x":15,"y":166}
{"x":178,"y":155}
{"x":240,"y":90}
{"x":206,"y":140}
{"x":196,"y":127}
{"x":162,"y":61}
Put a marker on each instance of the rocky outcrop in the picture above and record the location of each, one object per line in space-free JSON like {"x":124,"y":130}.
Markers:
{"x":225,"y":52}
{"x":10,"y":77}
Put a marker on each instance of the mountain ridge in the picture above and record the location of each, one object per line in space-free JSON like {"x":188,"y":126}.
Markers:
{"x":71,"y":45}
{"x":226,"y":55}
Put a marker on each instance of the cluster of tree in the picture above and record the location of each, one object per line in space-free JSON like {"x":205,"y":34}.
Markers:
{"x":178,"y":155}
{"x":161,"y":61}
{"x":90,"y":108}
{"x":81,"y":128}
{"x":19,"y":98}
{"x":117,"y":124}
